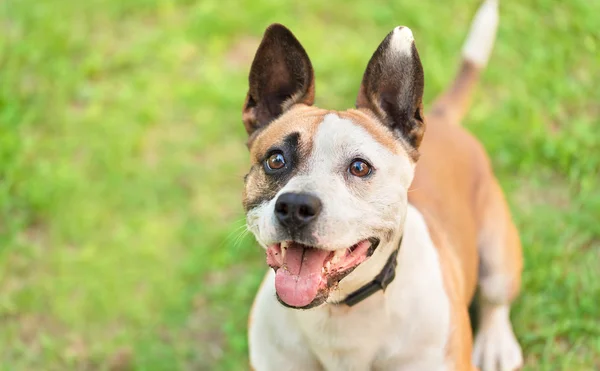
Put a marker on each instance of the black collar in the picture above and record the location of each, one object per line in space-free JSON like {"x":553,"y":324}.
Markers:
{"x":380,"y":282}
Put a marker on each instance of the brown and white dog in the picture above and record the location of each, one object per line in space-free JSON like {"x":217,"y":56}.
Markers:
{"x":378,"y":234}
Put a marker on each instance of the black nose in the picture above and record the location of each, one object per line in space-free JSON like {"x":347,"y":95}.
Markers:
{"x":296,"y":210}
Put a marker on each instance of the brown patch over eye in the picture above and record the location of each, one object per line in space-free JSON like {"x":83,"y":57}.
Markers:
{"x":276,"y":161}
{"x":359,"y":168}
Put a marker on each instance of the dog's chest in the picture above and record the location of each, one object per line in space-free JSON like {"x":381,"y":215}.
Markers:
{"x":377,"y":337}
{"x":345,"y":339}
{"x":407,"y":327}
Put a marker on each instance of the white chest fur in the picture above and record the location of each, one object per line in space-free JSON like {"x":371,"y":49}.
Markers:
{"x":404,"y":329}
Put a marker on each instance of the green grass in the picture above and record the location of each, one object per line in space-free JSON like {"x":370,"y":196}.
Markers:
{"x":122,"y":155}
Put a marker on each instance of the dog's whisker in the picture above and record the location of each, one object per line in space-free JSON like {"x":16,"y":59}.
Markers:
{"x":240,"y":238}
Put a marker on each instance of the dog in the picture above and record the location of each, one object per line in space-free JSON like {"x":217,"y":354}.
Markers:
{"x":380,"y":222}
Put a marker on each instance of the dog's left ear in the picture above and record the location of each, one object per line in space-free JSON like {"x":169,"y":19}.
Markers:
{"x":392,"y":86}
{"x":281,"y":76}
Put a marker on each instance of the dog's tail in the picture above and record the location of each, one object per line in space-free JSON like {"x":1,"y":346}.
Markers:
{"x":475,"y":55}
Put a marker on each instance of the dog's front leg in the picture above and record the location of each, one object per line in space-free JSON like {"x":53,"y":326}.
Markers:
{"x":278,"y":346}
{"x":275,"y":341}
{"x":270,"y":357}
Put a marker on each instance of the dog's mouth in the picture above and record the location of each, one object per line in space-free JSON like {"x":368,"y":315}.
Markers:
{"x":305,"y":274}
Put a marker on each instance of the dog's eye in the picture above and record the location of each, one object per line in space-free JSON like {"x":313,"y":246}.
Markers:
{"x":275,"y":162}
{"x":359,"y":168}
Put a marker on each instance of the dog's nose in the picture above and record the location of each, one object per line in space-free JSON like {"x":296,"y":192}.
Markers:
{"x":296,"y":210}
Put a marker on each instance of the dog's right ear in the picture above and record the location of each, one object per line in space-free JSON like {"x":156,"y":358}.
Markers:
{"x":281,"y":76}
{"x":392,"y":86}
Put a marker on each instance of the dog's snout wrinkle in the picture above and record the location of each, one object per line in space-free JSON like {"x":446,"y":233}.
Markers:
{"x":296,"y":210}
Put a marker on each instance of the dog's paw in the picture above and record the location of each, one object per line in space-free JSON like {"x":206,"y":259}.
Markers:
{"x":496,"y":347}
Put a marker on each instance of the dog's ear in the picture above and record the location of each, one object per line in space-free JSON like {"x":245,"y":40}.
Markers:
{"x":281,"y":76}
{"x":392,"y":86}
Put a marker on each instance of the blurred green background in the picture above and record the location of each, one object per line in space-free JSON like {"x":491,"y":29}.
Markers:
{"x":122,"y":153}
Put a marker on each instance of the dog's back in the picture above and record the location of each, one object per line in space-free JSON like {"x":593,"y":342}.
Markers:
{"x":453,"y":169}
{"x":456,"y":191}
{"x":454,"y":186}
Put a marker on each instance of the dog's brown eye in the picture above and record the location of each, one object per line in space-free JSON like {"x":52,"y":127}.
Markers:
{"x":359,"y":168}
{"x":276,"y":161}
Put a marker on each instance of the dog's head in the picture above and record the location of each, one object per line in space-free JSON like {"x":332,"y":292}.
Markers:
{"x":326,"y":194}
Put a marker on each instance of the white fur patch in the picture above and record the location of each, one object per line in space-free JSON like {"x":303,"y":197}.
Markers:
{"x":405,"y":328}
{"x":402,"y":40}
{"x":480,"y":41}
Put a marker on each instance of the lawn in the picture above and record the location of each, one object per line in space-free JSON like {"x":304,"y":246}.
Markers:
{"x":122,"y":153}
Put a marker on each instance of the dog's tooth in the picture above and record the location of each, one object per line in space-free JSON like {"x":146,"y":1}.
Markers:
{"x":339,"y":254}
{"x":283,"y":249}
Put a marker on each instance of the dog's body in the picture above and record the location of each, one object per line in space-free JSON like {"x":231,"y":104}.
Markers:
{"x":453,"y":228}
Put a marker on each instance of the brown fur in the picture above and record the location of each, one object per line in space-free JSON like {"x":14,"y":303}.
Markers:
{"x":365,"y":118}
{"x":453,"y":104}
{"x":456,"y":191}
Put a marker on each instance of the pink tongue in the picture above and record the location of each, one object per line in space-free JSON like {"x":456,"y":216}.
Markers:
{"x":297,"y":281}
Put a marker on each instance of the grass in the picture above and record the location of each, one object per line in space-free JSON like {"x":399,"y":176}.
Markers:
{"x":122,"y":156}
